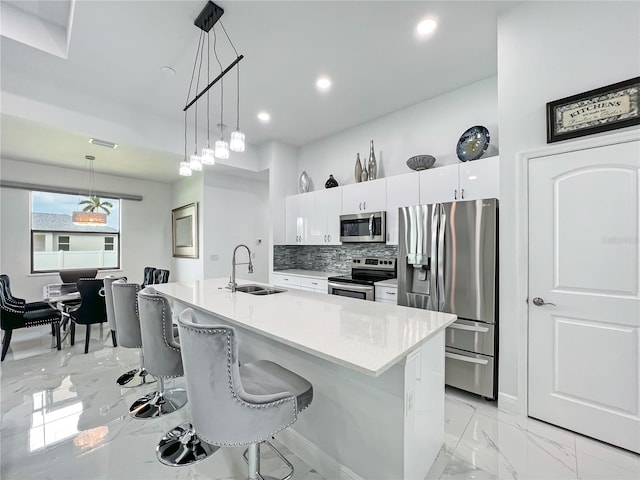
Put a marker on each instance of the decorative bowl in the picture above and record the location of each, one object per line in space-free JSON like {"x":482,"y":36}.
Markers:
{"x":421,"y":162}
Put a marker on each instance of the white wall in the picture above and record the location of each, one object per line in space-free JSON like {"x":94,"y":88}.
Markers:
{"x":184,"y":192}
{"x":146,"y":225}
{"x":431,"y":127}
{"x":236,"y":211}
{"x":547,"y":51}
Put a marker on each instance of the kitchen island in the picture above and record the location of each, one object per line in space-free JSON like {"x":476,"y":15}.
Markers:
{"x":377,"y":372}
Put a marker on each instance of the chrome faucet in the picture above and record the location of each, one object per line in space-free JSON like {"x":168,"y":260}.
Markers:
{"x":232,"y":280}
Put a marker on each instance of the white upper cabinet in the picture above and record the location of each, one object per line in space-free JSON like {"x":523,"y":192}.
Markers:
{"x":364,"y":197}
{"x":299,"y":209}
{"x":314,"y":218}
{"x":463,"y":181}
{"x":480,"y":179}
{"x":438,"y":184}
{"x":292,"y":231}
{"x":324,"y":217}
{"x":402,"y":191}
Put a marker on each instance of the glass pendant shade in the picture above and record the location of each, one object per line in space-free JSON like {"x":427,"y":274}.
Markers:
{"x":207,"y":157}
{"x":222,"y":150}
{"x":185,"y":169}
{"x":237,"y":141}
{"x":89,"y":218}
{"x":195,"y":163}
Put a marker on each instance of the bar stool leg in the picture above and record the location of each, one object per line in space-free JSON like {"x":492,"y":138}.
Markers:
{"x":136,"y":377}
{"x":181,"y":446}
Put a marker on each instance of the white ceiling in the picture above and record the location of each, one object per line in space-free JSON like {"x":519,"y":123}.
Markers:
{"x":112,"y":74}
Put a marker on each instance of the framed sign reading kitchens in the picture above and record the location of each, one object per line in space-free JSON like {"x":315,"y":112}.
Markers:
{"x":185,"y":231}
{"x":607,"y":108}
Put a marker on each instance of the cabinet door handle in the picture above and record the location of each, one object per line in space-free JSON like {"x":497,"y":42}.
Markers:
{"x":455,"y":194}
{"x":329,"y":237}
{"x":360,"y":206}
{"x":462,"y":193}
{"x":325,"y":238}
{"x":364,"y":207}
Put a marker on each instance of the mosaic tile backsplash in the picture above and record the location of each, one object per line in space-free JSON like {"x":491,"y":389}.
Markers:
{"x":335,"y":258}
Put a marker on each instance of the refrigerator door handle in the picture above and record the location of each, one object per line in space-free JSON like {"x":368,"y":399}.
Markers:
{"x":433,"y":287}
{"x":443,"y":224}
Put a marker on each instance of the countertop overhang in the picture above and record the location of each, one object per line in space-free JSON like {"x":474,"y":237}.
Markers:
{"x":367,"y":337}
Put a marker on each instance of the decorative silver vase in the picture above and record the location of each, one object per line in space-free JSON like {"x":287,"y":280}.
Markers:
{"x":373,"y":167}
{"x":365,"y":174}
{"x":358,"y":170}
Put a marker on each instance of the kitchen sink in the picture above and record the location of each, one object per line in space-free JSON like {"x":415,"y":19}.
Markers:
{"x":259,"y":289}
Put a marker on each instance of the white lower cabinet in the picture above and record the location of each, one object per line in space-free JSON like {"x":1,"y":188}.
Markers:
{"x":297,"y":282}
{"x":387,"y":294}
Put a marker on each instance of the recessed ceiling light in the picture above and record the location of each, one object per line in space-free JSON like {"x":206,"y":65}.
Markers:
{"x":427,"y":26}
{"x":323,"y":83}
{"x":167,"y":70}
{"x":103,"y":143}
{"x":264,"y":117}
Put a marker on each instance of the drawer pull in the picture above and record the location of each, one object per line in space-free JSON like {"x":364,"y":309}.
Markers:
{"x":314,"y":283}
{"x":455,"y":356}
{"x":469,"y":328}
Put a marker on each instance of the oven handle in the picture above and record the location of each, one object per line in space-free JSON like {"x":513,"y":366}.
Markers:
{"x":351,"y":286}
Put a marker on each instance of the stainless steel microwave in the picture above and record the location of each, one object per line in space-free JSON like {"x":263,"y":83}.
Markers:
{"x":363,"y":227}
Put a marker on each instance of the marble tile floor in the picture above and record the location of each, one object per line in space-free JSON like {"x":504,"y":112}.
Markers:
{"x":63,"y":417}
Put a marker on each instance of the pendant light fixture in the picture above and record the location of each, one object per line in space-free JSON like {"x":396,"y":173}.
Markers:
{"x":206,"y":20}
{"x":237,"y":137}
{"x":89,"y":215}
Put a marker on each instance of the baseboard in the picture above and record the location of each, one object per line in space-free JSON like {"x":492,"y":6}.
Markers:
{"x":510,"y":403}
{"x":313,"y":456}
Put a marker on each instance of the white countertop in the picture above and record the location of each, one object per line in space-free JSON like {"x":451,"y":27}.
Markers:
{"x":307,"y":273}
{"x":367,"y":337}
{"x":392,"y":282}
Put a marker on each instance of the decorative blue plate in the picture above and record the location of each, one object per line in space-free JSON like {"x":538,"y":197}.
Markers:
{"x":473,"y":143}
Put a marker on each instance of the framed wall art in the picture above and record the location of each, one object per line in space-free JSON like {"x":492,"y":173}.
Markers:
{"x":607,"y":108}
{"x":185,"y":231}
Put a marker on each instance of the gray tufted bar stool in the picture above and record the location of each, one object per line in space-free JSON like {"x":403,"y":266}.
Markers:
{"x":108,"y":299}
{"x":125,"y":309}
{"x":231,"y":405}
{"x":162,"y":352}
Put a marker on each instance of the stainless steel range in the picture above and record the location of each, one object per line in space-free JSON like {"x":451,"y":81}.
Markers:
{"x":364,"y":273}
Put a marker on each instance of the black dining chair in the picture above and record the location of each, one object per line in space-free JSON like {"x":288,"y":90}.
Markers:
{"x":160,"y":276}
{"x":28,"y":306}
{"x":92,"y":308}
{"x":147,"y":278}
{"x":14,"y":315}
{"x":72,"y":276}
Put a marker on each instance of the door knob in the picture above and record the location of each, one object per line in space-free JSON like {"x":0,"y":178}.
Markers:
{"x":538,"y":302}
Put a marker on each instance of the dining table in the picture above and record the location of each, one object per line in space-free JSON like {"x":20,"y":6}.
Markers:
{"x":64,"y":297}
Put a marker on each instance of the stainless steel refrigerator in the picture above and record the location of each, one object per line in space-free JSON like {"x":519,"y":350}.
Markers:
{"x":448,"y":262}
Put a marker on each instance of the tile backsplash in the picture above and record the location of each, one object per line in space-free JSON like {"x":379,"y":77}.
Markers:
{"x":335,"y":258}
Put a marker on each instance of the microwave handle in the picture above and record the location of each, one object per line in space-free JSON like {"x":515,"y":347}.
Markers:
{"x":371,"y":226}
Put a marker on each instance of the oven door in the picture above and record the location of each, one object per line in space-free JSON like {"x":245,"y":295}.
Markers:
{"x":363,"y":292}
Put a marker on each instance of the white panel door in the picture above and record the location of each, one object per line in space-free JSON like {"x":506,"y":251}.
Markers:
{"x":480,"y":179}
{"x":438,"y":184}
{"x":584,"y":363}
{"x":402,"y":191}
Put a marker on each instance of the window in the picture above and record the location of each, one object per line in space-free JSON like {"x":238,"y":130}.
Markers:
{"x":63,"y":242}
{"x":59,"y":244}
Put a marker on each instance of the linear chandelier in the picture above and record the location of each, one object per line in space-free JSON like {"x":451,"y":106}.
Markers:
{"x":206,"y":20}
{"x":90,"y":214}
